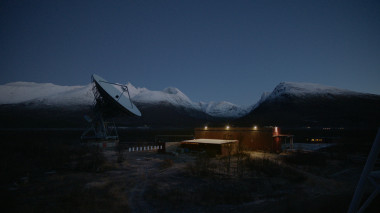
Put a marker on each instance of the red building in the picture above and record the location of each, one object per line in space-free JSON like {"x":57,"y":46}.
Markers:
{"x":266,"y":139}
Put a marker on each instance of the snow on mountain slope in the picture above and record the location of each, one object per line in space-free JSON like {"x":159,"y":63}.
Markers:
{"x":169,"y":95}
{"x":18,"y":92}
{"x":76,"y":96}
{"x":177,"y":98}
{"x":56,"y":95}
{"x":302,"y":89}
{"x":305,"y":104}
{"x":222,"y":109}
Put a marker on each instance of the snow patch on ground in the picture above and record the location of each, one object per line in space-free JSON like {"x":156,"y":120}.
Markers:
{"x":308,"y":146}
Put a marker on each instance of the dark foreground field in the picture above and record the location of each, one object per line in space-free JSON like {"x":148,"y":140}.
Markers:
{"x":49,"y":171}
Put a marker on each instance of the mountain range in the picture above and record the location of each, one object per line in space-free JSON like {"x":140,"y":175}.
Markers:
{"x":47,"y":94}
{"x":43,"y":104}
{"x":307,"y":104}
{"x":289,"y":104}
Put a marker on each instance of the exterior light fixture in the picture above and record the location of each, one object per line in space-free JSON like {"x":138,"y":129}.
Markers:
{"x":254,"y":127}
{"x":205,"y":127}
{"x":227,"y":127}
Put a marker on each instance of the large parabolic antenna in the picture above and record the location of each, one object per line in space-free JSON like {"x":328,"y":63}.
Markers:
{"x":111,"y":99}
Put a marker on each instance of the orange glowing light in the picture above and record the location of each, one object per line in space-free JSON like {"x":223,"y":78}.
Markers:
{"x":275,"y":130}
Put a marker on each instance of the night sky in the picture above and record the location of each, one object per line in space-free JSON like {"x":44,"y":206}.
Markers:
{"x":210,"y":50}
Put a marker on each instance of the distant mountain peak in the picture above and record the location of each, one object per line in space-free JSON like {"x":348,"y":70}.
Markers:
{"x":222,"y":109}
{"x":309,"y":104}
{"x":299,"y":88}
{"x":172,"y":90}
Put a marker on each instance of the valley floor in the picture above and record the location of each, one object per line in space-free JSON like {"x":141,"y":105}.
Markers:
{"x":73,"y":178}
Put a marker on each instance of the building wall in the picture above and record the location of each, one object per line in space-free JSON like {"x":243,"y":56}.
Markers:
{"x":249,"y":139}
{"x":229,"y":149}
{"x":212,"y":149}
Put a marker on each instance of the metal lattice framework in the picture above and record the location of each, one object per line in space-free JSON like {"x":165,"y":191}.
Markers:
{"x":99,"y":129}
{"x":109,"y":101}
{"x":367,"y":176}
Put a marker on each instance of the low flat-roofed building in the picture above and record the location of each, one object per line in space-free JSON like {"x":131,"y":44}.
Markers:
{"x":255,"y":138}
{"x":211,"y":146}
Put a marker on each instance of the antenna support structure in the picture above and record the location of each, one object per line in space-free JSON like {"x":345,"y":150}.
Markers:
{"x":109,"y":101}
{"x":369,"y":175}
{"x":99,"y":129}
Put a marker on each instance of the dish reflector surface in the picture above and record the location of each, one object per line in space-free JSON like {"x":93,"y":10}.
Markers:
{"x":111,"y":93}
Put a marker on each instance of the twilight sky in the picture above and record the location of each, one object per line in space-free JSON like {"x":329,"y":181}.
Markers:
{"x":210,"y":50}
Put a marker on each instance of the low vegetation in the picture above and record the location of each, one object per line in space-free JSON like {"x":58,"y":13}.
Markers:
{"x":57,"y":174}
{"x":241,"y":165}
{"x":45,"y":173}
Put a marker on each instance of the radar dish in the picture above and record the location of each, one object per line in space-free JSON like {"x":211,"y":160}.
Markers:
{"x":109,"y":102}
{"x":112,"y":95}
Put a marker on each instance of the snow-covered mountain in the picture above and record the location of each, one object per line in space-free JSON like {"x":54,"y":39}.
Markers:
{"x":305,"y":89}
{"x":175,"y":97}
{"x":222,"y":109}
{"x":169,"y":95}
{"x":297,"y":89}
{"x":295,"y":104}
{"x":48,"y":94}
